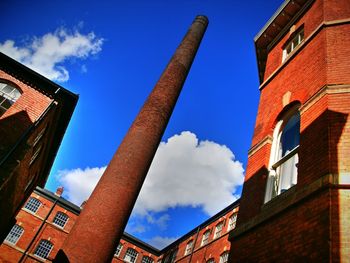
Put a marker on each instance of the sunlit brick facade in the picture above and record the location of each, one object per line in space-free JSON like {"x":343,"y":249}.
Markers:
{"x":46,"y":219}
{"x":34,"y":114}
{"x":295,"y":201}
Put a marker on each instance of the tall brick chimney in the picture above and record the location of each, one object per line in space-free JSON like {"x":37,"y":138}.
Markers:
{"x":99,"y":227}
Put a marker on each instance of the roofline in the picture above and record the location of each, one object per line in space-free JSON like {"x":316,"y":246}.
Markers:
{"x":269,"y":22}
{"x":67,"y":99}
{"x":38,"y":78}
{"x":128,"y":237}
{"x":60,"y":200}
{"x":204,"y":224}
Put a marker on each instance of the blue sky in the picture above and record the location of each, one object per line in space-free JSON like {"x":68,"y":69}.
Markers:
{"x":112,"y":53}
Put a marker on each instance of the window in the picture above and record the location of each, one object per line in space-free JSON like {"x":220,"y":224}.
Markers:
{"x":218,"y":229}
{"x":188,"y":249}
{"x":60,"y":219}
{"x":292,"y":44}
{"x":36,"y":153}
{"x":33,"y":205}
{"x":284,"y":156}
{"x":205,"y":238}
{"x":130,"y":255}
{"x":43,"y":249}
{"x":173,"y":255}
{"x":118,"y":250}
{"x":14,"y":234}
{"x":224,"y":257}
{"x":8,"y":96}
{"x":146,"y":259}
{"x":211,"y":260}
{"x":232,"y":222}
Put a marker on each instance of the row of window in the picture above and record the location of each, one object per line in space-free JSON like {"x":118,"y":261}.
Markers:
{"x":223,"y":258}
{"x":42,"y":250}
{"x":33,"y":205}
{"x":131,"y":255}
{"x":217,"y":233}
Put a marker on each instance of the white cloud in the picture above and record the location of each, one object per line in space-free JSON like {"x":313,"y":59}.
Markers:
{"x":46,"y":54}
{"x":161,"y":242}
{"x":184,"y":172}
{"x":188,"y":172}
{"x":78,"y":184}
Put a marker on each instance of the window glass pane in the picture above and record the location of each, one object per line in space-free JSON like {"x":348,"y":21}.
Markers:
{"x":289,"y":173}
{"x":146,"y":259}
{"x":44,"y":248}
{"x":224,"y":257}
{"x":60,"y":219}
{"x":33,"y":205}
{"x":290,"y":134}
{"x":119,"y":249}
{"x":8,"y":96}
{"x":14,"y":234}
{"x":130,"y":255}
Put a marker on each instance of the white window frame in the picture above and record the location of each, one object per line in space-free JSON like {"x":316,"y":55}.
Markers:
{"x":293,"y":44}
{"x":218,"y":229}
{"x":147,"y":259}
{"x":224,"y":257}
{"x":118,"y":250}
{"x":232,"y":222}
{"x":32,"y":203}
{"x":42,"y":247}
{"x":131,"y":255}
{"x":189,"y":247}
{"x":15,"y":234}
{"x":273,"y":185}
{"x":205,"y":237}
{"x":59,"y":221}
{"x":11,"y":97}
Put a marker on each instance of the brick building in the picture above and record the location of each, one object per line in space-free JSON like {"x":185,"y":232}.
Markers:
{"x":295,"y":200}
{"x":34,"y":114}
{"x":46,"y":219}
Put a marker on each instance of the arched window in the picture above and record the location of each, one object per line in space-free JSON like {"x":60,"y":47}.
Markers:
{"x":218,"y":229}
{"x":118,"y":250}
{"x":43,"y":249}
{"x":60,"y":219}
{"x":205,"y":238}
{"x":146,"y":259}
{"x":32,"y":205}
{"x":188,"y":249}
{"x":224,"y":257}
{"x":130,"y":255}
{"x":284,"y":156}
{"x":232,"y":222}
{"x":8,"y":95}
{"x":14,"y":235}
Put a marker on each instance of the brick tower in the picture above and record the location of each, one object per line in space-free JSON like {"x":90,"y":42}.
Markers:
{"x":110,"y":204}
{"x":296,"y":194}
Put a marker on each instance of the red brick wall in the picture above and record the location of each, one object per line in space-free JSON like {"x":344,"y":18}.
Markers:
{"x":299,"y":234}
{"x":317,"y":76}
{"x":214,"y":248}
{"x":31,"y":224}
{"x":311,"y":20}
{"x":141,"y":252}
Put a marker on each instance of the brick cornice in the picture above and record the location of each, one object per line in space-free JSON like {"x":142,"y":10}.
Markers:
{"x":325,"y":90}
{"x":259,"y":145}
